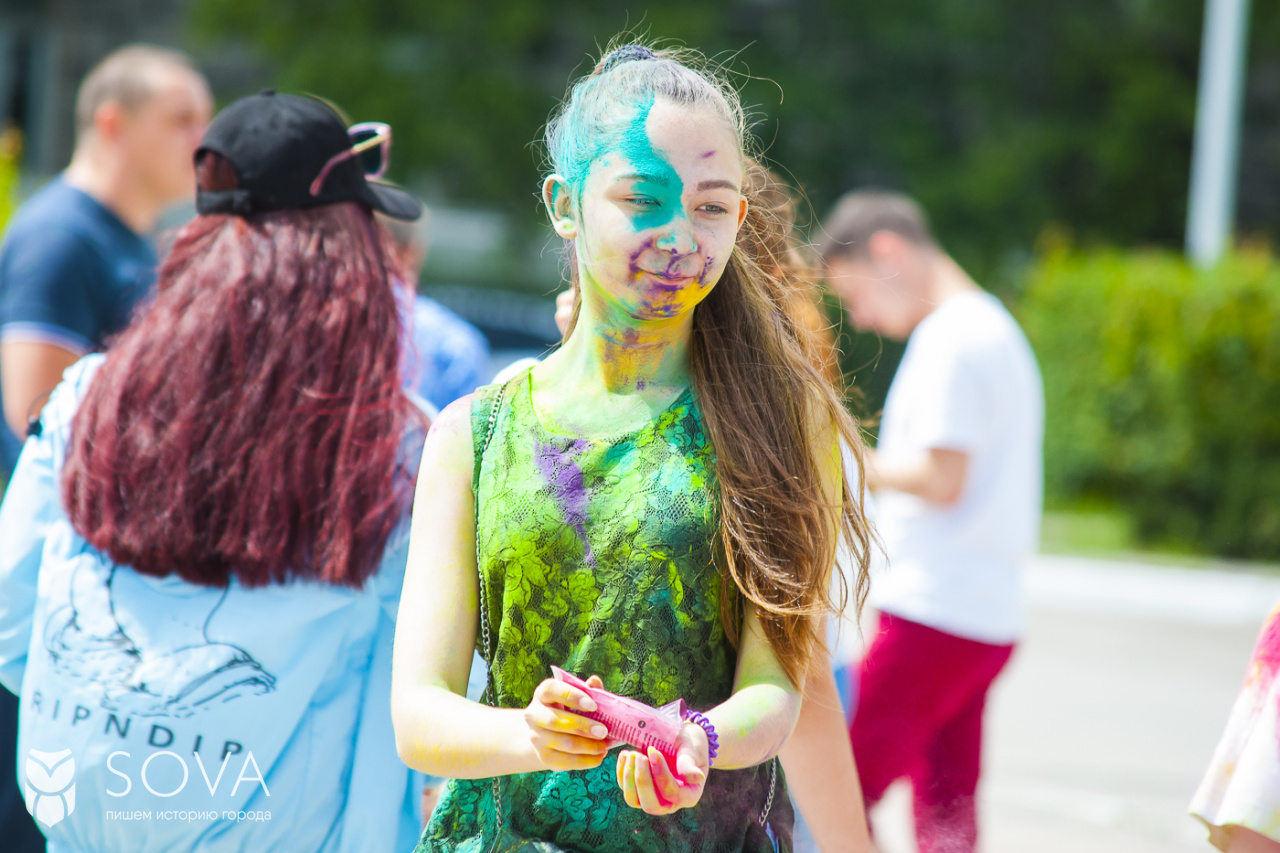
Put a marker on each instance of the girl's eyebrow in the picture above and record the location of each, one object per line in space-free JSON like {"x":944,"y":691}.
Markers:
{"x":646,"y":177}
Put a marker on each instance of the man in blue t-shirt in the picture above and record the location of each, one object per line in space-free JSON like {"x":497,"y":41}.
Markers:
{"x":74,"y":262}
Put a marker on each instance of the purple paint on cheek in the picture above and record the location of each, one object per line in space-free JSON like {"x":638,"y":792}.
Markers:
{"x":635,"y":267}
{"x":706,"y":270}
{"x":560,"y":470}
{"x":710,"y":153}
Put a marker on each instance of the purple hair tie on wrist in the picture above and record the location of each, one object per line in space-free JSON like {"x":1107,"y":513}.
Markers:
{"x":713,"y":742}
{"x":626,"y":53}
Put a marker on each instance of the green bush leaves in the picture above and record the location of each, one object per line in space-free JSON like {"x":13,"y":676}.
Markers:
{"x":1162,"y":387}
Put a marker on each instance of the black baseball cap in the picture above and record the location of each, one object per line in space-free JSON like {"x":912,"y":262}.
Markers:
{"x":278,"y":144}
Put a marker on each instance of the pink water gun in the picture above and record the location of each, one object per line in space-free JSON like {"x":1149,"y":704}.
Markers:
{"x":635,"y":723}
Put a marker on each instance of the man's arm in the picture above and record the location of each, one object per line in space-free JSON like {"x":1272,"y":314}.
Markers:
{"x":29,"y":370}
{"x":51,"y":284}
{"x":938,"y":478}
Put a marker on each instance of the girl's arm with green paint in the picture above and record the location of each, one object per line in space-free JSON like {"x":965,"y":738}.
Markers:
{"x":438,"y":730}
{"x":757,"y":719}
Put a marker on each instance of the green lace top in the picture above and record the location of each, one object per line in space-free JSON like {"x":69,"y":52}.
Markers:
{"x":596,"y":555}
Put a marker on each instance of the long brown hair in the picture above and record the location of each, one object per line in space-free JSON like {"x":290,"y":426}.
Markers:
{"x":772,"y":243}
{"x":765,"y":404}
{"x":248,"y":424}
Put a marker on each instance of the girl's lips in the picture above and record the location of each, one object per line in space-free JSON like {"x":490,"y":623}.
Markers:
{"x":670,"y":281}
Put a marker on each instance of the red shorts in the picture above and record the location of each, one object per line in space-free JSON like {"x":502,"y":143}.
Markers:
{"x":921,"y":694}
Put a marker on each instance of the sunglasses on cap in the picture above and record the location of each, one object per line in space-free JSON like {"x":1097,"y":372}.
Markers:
{"x":370,"y":143}
{"x":286,"y":152}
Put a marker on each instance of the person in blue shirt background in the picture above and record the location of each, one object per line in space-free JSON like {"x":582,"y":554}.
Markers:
{"x":445,"y":356}
{"x":75,"y":260}
{"x":202,"y":549}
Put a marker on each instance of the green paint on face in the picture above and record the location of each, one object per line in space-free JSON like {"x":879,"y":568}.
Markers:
{"x":656,"y":181}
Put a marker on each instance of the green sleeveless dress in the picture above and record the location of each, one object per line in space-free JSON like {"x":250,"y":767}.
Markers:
{"x":596,"y":555}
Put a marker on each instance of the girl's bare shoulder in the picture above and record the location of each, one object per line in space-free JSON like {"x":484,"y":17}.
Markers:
{"x":449,"y":441}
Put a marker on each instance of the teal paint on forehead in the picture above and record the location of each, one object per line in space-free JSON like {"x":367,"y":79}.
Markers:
{"x":660,"y":181}
{"x":588,"y":138}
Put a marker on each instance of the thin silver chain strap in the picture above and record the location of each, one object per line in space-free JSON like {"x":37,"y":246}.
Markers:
{"x":484,"y":612}
{"x":773,"y":780}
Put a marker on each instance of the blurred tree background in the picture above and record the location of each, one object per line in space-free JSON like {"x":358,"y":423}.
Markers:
{"x":999,"y":115}
{"x":1064,"y":124}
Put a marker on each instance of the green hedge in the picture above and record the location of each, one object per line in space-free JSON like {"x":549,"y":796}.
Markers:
{"x":1162,"y":387}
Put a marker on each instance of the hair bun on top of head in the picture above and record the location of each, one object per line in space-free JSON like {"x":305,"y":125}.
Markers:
{"x":626,"y":53}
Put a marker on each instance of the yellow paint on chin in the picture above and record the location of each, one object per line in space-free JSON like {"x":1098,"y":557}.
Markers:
{"x":663,"y":302}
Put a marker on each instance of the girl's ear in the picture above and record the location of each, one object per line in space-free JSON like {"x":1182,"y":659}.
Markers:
{"x":742,"y":211}
{"x":559,"y":203}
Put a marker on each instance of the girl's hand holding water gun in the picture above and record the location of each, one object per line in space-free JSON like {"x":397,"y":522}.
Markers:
{"x":562,"y":739}
{"x":647,"y":782}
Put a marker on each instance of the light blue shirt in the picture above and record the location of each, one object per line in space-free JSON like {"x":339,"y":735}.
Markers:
{"x":445,"y":357}
{"x":162,"y":716}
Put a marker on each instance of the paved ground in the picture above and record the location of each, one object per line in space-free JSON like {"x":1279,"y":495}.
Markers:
{"x":1099,"y":730}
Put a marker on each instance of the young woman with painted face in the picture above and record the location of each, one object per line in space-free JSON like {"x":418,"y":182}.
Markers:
{"x":818,"y":758}
{"x":656,"y":505}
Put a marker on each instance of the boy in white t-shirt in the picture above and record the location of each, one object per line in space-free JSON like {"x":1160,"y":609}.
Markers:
{"x":958,"y":471}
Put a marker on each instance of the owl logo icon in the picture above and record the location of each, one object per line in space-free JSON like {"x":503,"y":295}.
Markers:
{"x":51,"y":785}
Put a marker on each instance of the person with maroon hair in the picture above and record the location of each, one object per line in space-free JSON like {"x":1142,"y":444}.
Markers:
{"x":202,"y":550}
